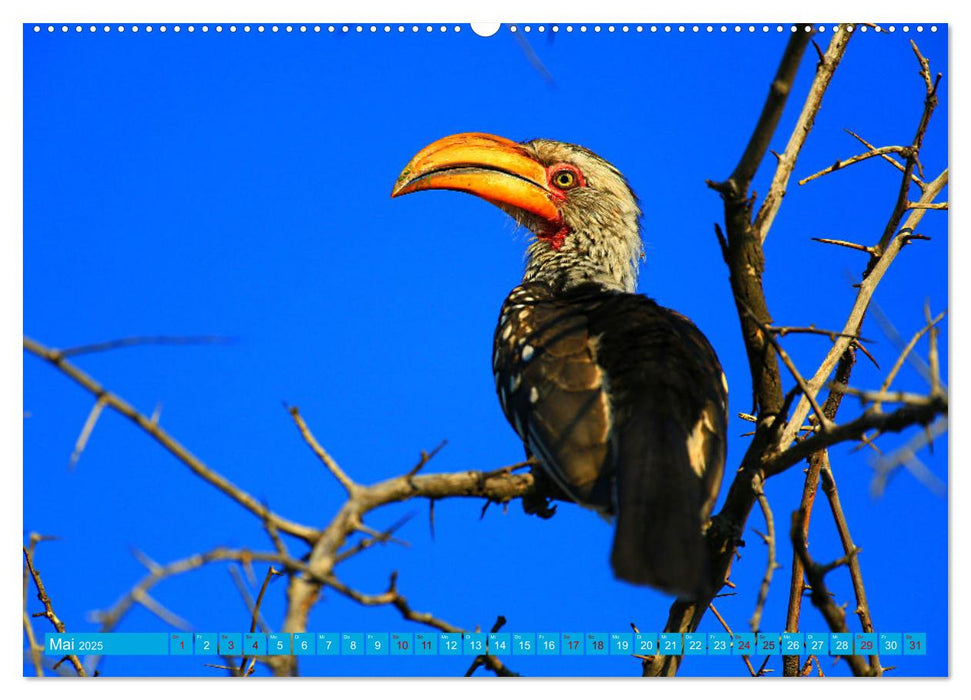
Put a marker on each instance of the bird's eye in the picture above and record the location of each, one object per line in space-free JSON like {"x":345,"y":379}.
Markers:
{"x":564,"y":179}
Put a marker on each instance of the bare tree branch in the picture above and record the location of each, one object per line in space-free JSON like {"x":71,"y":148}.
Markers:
{"x":270,"y":573}
{"x":840,"y":164}
{"x":856,"y":574}
{"x":864,"y":295}
{"x":49,"y":608}
{"x":775,"y":446}
{"x":86,"y":431}
{"x":814,"y":100}
{"x":797,"y":586}
{"x":771,"y":565}
{"x":916,"y":180}
{"x":821,"y":598}
{"x":902,"y":418}
{"x":143,"y":340}
{"x":322,"y":454}
{"x":196,"y":465}
{"x":35,"y":648}
{"x":906,"y":456}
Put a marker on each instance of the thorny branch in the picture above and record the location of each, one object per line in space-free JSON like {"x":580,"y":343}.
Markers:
{"x":34,"y":648}
{"x":850,"y":551}
{"x":116,"y":403}
{"x":819,"y":594}
{"x":774,"y":446}
{"x":772,"y":564}
{"x":48,"y":609}
{"x":501,"y":486}
{"x":825,"y":69}
{"x":790,"y":664}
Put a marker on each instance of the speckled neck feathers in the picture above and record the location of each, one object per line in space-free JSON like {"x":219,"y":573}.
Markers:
{"x":602,"y":244}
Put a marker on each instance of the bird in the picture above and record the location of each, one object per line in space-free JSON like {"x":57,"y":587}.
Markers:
{"x":621,"y":401}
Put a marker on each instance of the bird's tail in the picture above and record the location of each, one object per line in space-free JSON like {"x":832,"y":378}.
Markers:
{"x":658,"y":540}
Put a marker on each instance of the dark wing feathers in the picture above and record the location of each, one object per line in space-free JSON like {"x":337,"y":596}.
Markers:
{"x":552,"y":389}
{"x":670,"y":401}
{"x":624,"y":402}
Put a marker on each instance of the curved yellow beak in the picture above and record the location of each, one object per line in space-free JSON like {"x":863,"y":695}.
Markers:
{"x":491,"y":167}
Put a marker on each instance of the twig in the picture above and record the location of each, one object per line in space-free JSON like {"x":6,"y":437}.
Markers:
{"x":907,"y":456}
{"x":161,"y":612}
{"x":847,"y":244}
{"x":49,"y":608}
{"x":825,"y":69}
{"x":86,"y":431}
{"x":783,"y":331}
{"x":500,"y":487}
{"x":887,"y":248}
{"x":860,"y":305}
{"x":824,"y":422}
{"x":196,"y":465}
{"x":761,"y":137}
{"x":774,"y":447}
{"x":772,"y":564}
{"x":902,"y":418}
{"x":873,"y":152}
{"x":932,"y":358}
{"x":901,"y":206}
{"x":797,"y":586}
{"x":745,"y":657}
{"x":483,"y":659}
{"x":820,"y":595}
{"x":35,"y":648}
{"x":533,"y":59}
{"x":916,"y":180}
{"x":894,"y":335}
{"x":247,"y":598}
{"x":880,"y":397}
{"x":892,"y":374}
{"x":322,"y":454}
{"x":851,"y":551}
{"x":426,"y":457}
{"x":376,"y":538}
{"x":744,"y":255}
{"x":143,"y":340}
{"x":394,"y":598}
{"x":270,"y":573}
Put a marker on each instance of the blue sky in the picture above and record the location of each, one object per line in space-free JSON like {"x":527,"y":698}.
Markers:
{"x":237,"y":185}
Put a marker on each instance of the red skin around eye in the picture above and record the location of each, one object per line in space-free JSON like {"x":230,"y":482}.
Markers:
{"x":556,"y":234}
{"x":551,"y":172}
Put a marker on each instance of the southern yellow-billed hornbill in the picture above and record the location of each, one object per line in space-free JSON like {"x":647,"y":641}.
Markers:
{"x":622,"y":401}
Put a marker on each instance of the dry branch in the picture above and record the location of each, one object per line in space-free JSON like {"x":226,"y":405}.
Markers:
{"x":774,"y":446}
{"x":864,"y":295}
{"x":48,"y":606}
{"x":34,"y":648}
{"x":116,"y":403}
{"x":814,"y":99}
{"x":142,"y":340}
{"x":849,"y":549}
{"x":913,"y":178}
{"x":724,"y":624}
{"x":498,"y":486}
{"x":790,"y":664}
{"x":322,"y":454}
{"x":820,"y":595}
{"x":772,"y":564}
{"x":840,"y":164}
